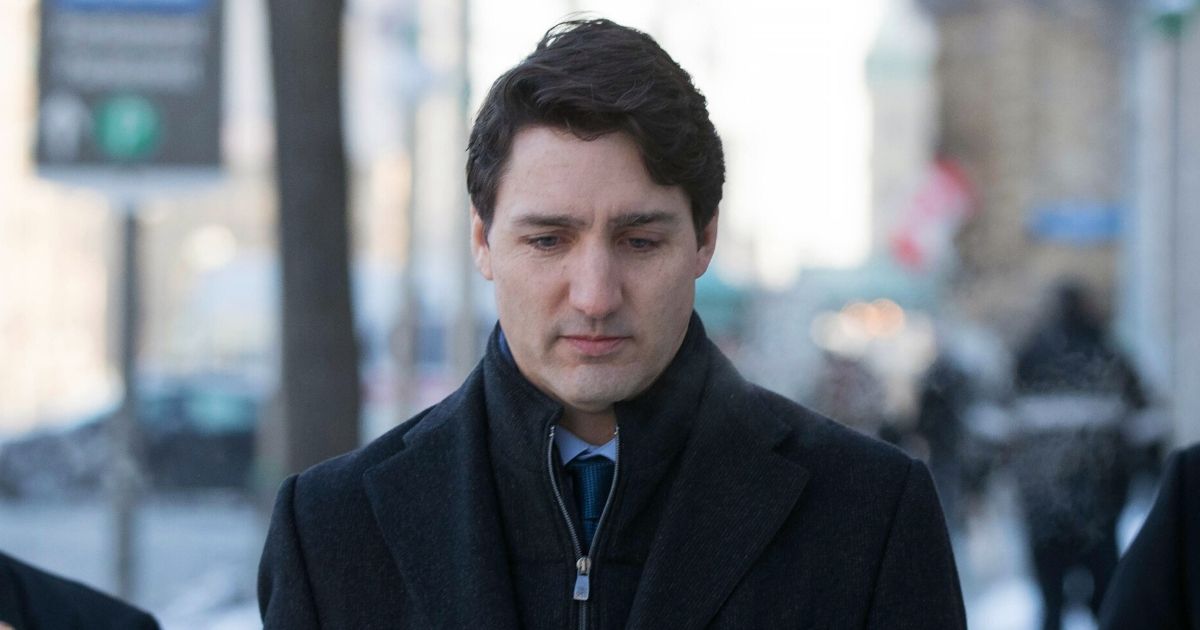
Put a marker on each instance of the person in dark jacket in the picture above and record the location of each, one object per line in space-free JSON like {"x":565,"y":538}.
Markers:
{"x":605,"y":466}
{"x":1075,"y":391}
{"x":1157,"y":582}
{"x":31,"y":599}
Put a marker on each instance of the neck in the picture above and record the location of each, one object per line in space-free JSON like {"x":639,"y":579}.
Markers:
{"x":595,"y":428}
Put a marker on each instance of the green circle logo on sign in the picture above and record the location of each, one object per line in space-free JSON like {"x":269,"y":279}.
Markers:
{"x":127,"y":127}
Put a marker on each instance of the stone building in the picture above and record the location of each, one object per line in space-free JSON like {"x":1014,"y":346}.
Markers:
{"x":1032,"y":107}
{"x":1060,"y":111}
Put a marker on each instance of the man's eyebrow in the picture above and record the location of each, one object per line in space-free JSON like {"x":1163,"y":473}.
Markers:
{"x":550,"y":221}
{"x":636,"y":219}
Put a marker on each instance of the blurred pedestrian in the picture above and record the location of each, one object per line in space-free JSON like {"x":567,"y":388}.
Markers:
{"x":945,"y":394}
{"x":1074,"y":390}
{"x":1157,"y":583}
{"x":850,"y":392}
{"x":960,"y":422}
{"x":31,"y":599}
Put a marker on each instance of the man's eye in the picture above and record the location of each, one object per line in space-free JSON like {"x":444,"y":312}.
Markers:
{"x":545,"y":242}
{"x":642,"y":243}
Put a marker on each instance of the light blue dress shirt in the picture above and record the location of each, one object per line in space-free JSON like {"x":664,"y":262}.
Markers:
{"x":571,"y":446}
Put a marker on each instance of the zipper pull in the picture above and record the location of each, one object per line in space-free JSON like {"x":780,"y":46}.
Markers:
{"x":582,"y":585}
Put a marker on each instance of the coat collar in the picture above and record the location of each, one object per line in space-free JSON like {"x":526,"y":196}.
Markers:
{"x":733,"y":492}
{"x":435,"y":504}
{"x":435,"y":499}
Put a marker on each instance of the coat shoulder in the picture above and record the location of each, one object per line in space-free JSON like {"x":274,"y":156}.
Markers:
{"x":822,"y":444}
{"x":42,"y":599}
{"x":803,"y":435}
{"x":1189,"y":463}
{"x":338,"y":480}
{"x":858,"y":477}
{"x":1152,"y":584}
{"x":894,"y":567}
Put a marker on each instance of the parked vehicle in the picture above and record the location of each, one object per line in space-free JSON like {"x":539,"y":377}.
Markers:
{"x":196,"y":431}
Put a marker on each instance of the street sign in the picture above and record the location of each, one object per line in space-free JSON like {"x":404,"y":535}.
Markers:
{"x":1079,"y":223}
{"x":129,"y":89}
{"x":1171,"y":16}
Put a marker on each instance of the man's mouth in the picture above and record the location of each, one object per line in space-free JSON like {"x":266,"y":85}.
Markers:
{"x":594,"y":345}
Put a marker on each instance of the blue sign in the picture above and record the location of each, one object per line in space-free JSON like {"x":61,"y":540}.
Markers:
{"x":1076,"y":222}
{"x":135,"y":6}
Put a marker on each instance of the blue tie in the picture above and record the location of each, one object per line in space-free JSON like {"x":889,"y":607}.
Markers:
{"x":593,"y":477}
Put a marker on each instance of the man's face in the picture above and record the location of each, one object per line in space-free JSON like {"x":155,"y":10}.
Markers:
{"x":594,"y":266}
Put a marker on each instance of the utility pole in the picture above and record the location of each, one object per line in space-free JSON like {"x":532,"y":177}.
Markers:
{"x":125,"y":471}
{"x":1183,"y":299}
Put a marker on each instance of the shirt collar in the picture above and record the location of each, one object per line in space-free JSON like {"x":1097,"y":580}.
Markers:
{"x":571,"y":446}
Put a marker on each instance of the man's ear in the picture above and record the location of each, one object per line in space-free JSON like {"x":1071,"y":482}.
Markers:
{"x":479,"y":245}
{"x":706,"y":246}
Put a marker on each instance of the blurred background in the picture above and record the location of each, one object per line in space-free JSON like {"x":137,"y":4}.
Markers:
{"x":233,"y":242}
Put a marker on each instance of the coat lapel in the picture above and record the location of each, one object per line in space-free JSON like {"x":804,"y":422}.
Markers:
{"x":732,"y":494}
{"x":436,"y":506}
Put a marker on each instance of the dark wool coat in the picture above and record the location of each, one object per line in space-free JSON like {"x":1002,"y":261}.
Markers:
{"x":1157,"y":583}
{"x":733,"y":508}
{"x":31,"y":599}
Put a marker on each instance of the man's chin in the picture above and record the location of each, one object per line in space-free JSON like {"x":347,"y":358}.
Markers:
{"x":597,"y":397}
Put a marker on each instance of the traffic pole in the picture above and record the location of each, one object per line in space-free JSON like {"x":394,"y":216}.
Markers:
{"x":123,"y":429}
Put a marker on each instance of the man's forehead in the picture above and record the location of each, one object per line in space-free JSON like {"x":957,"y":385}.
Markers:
{"x":536,"y":218}
{"x":554,"y":178}
{"x":548,"y":158}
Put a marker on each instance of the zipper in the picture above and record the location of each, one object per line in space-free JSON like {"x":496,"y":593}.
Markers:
{"x":583,"y":562}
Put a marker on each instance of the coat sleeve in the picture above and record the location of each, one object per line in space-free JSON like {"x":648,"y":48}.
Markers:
{"x":917,"y":585}
{"x":33,"y":598}
{"x":285,"y":598}
{"x":1147,"y":590}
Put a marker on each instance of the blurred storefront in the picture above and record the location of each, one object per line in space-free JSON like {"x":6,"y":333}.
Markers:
{"x":1060,"y":114}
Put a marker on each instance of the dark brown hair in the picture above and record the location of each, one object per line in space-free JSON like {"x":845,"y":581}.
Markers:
{"x":595,"y":77}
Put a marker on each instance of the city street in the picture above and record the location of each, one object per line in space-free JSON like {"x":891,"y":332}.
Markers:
{"x":238,"y":239}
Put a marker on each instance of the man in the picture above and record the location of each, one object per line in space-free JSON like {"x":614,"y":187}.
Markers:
{"x":1157,"y":583}
{"x":605,"y":466}
{"x":31,"y":599}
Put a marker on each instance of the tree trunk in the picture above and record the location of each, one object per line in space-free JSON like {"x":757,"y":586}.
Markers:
{"x":319,"y":397}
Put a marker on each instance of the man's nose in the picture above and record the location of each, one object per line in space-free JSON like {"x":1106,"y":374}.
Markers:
{"x":596,"y":283}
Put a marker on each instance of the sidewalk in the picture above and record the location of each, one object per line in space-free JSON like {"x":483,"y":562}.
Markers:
{"x":993,"y":562}
{"x":198,"y":557}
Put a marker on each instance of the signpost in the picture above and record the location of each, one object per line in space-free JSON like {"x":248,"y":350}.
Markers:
{"x":129,"y":92}
{"x":129,"y":103}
